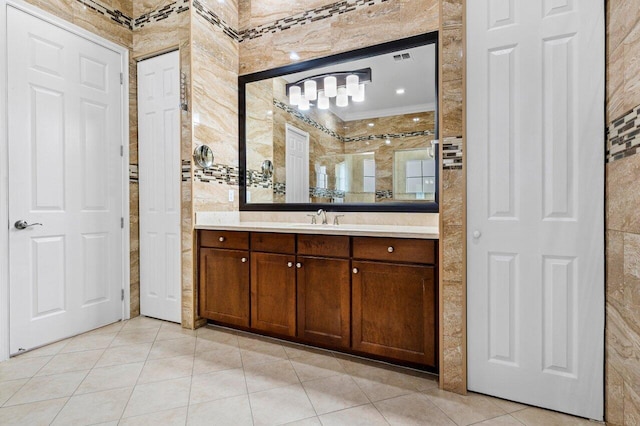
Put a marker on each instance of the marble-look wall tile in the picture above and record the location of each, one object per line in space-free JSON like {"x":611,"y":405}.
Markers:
{"x":452,"y":197}
{"x":631,"y":406}
{"x":614,"y":396}
{"x":623,"y":204}
{"x":134,"y":250}
{"x":615,"y":84}
{"x":267,"y":11}
{"x":632,"y":67}
{"x":453,"y":364}
{"x":227,"y":10}
{"x":140,"y":7}
{"x":615,"y":268}
{"x":451,"y":108}
{"x":451,"y":13}
{"x":452,"y":58}
{"x":452,"y":253}
{"x":159,"y":36}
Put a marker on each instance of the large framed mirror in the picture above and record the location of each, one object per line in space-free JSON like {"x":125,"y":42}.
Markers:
{"x":356,"y":131}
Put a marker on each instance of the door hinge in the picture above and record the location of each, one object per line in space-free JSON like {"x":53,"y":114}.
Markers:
{"x":121,"y":78}
{"x":122,"y":294}
{"x":121,"y":150}
{"x":122,"y":222}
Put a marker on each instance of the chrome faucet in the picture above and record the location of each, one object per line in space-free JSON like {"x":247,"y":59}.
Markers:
{"x":322,"y":213}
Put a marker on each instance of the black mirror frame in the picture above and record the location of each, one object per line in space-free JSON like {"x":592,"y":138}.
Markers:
{"x":406,"y":43}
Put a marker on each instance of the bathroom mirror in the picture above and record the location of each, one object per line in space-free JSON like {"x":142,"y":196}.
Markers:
{"x":355,"y":131}
{"x":203,"y":156}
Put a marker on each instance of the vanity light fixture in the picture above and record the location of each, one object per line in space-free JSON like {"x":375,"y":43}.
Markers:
{"x":339,"y":85}
{"x":400,"y":91}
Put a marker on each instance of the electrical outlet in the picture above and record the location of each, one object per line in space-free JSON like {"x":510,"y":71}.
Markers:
{"x":232,"y":195}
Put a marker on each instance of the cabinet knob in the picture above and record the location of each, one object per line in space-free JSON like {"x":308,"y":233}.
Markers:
{"x":355,"y":270}
{"x":244,"y":260}
{"x":290,"y":264}
{"x":221,"y":239}
{"x":390,"y":249}
{"x":298,"y":265}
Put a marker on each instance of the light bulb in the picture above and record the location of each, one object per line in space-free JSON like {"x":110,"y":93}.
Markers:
{"x":304,"y":104}
{"x":352,"y":84}
{"x":359,"y":97}
{"x":330,"y":86}
{"x":323,"y":101}
{"x":295,"y":93}
{"x":310,"y":91}
{"x":342,"y":99}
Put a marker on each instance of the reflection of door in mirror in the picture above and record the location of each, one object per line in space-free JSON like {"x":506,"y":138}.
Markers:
{"x":414,"y":175}
{"x":297,"y":165}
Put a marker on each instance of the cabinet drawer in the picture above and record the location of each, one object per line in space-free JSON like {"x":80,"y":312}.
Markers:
{"x":394,"y":249}
{"x":273,"y":243}
{"x":225,"y":239}
{"x":323,"y":245}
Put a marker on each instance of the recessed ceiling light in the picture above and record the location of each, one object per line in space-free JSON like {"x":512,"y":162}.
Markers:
{"x":370,"y":124}
{"x":400,"y":91}
{"x":294,"y":56}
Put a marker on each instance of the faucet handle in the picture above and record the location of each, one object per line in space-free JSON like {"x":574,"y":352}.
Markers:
{"x":313,"y":218}
{"x":335,"y":219}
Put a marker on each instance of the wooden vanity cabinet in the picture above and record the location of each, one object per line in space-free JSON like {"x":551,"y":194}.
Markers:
{"x":224,"y":277}
{"x":324,"y":290}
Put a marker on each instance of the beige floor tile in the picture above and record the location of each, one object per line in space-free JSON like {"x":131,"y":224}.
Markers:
{"x":312,"y":366}
{"x":48,"y":350}
{"x":296,"y":351}
{"x":413,"y":409}
{"x":281,"y":405}
{"x":218,"y":335}
{"x":538,"y":417}
{"x":277,"y":374}
{"x":152,"y":397}
{"x":379,"y":384}
{"x":113,"y":377}
{"x":48,"y":387}
{"x":7,"y":389}
{"x":364,"y":415}
{"x":506,"y":420}
{"x":124,"y":354}
{"x":169,"y":331}
{"x":166,"y":368}
{"x":20,"y":368}
{"x":134,"y":336}
{"x":204,"y":345}
{"x":508,"y":406}
{"x":334,"y":393}
{"x":255,"y":351}
{"x":219,"y":385}
{"x":87,"y":342}
{"x":74,"y":361}
{"x":116,"y":327}
{"x":140,"y":322}
{"x":174,"y":417}
{"x":97,"y":407}
{"x":233,"y":411}
{"x":34,"y":414}
{"x":172,"y":348}
{"x":210,"y":362}
{"x":311,"y":421}
{"x":465,"y":409}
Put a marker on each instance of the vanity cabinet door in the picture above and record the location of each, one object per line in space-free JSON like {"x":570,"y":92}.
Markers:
{"x":324,"y":301}
{"x":273,"y":293}
{"x":224,"y":286}
{"x":394,"y":311}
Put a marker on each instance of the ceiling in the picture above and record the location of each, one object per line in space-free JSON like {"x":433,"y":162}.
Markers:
{"x":417,"y":76}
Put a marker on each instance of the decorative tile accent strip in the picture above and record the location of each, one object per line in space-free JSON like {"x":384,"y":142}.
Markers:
{"x":308,"y":17}
{"x":215,"y":20}
{"x":164,"y":12}
{"x":218,"y":173}
{"x":186,"y":170}
{"x":384,"y":194}
{"x":115,"y":15}
{"x":257,"y":179}
{"x":133,"y":173}
{"x":279,"y":188}
{"x":324,"y":129}
{"x":325,"y":193}
{"x":622,"y":138}
{"x":452,"y":154}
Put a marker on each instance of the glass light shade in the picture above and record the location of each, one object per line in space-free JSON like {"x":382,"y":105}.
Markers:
{"x":323,"y":101}
{"x":295,"y":93}
{"x":352,"y":84}
{"x":304,"y":104}
{"x":330,"y":86}
{"x":359,"y":97}
{"x":310,"y":90}
{"x":342,"y":99}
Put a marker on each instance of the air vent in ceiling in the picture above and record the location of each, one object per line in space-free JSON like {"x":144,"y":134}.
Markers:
{"x":402,"y":57}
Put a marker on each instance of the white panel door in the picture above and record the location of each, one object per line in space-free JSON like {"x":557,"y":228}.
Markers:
{"x":297,"y":165}
{"x":66,"y":177}
{"x":159,"y":174}
{"x":535,"y":96}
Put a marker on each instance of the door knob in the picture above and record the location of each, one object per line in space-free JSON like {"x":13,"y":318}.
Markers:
{"x":244,"y":260}
{"x":390,"y":249}
{"x":22,"y":224}
{"x":290,"y":264}
{"x":477,"y":234}
{"x":221,"y":239}
{"x":298,"y":265}
{"x":355,"y":270}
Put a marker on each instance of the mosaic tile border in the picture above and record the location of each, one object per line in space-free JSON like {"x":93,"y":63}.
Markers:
{"x":384,"y":194}
{"x":114,"y":14}
{"x":215,"y":20}
{"x":623,"y":136}
{"x":297,"y":114}
{"x":452,"y":153}
{"x":186,"y":170}
{"x":161,"y":13}
{"x":218,"y":173}
{"x":133,"y":173}
{"x":308,"y":17}
{"x":325,"y":193}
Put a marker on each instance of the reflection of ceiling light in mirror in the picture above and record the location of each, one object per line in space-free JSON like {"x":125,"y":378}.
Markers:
{"x":310,"y":90}
{"x":331,"y":86}
{"x":359,"y":97}
{"x":294,"y":56}
{"x":400,"y":91}
{"x":304,"y":104}
{"x":323,"y":101}
{"x":342,"y":99}
{"x":269,"y":112}
{"x":388,"y":142}
{"x":416,"y":119}
{"x":295,"y":93}
{"x":370,"y":124}
{"x":352,"y":84}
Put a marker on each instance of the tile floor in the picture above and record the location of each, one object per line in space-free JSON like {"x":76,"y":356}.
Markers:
{"x":149,"y":372}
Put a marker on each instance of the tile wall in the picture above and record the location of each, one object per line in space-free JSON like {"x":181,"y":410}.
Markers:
{"x":622,"y":333}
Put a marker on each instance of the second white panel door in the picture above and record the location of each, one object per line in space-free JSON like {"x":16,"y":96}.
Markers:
{"x":159,"y":172}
